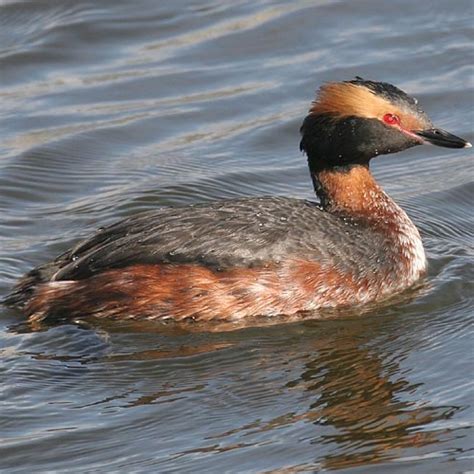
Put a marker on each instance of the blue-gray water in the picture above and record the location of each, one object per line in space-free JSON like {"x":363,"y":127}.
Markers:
{"x":112,"y":107}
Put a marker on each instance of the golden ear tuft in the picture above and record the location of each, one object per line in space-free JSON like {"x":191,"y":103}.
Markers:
{"x":343,"y":99}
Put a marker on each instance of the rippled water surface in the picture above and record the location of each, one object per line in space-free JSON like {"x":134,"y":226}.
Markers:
{"x":112,"y":107}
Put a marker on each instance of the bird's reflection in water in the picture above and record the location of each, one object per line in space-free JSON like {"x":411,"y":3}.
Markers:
{"x":361,"y":402}
{"x":344,"y":390}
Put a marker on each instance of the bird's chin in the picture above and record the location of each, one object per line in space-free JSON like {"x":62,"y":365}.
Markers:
{"x":416,"y":138}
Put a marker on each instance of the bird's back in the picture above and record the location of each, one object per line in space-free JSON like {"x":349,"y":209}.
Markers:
{"x":227,"y":234}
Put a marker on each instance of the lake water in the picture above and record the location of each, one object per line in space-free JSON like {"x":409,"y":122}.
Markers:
{"x":113,"y":107}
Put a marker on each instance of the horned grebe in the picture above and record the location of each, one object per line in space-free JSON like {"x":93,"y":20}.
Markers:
{"x":260,"y":256}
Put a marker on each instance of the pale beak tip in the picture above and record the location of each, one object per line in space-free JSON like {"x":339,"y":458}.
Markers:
{"x":468,"y":145}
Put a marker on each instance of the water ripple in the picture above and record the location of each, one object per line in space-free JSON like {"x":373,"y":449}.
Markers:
{"x":111,"y":108}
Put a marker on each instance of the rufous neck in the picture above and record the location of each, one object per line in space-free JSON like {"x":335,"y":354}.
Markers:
{"x":352,"y":191}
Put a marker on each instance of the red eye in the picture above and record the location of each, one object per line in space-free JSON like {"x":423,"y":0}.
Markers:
{"x":391,"y":119}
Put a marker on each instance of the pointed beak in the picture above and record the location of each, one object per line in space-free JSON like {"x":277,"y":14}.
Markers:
{"x":439,"y":137}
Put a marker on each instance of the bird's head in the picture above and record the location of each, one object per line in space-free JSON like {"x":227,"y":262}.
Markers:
{"x":351,"y":122}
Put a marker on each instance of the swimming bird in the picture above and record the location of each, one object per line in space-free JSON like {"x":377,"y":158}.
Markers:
{"x":268,"y":256}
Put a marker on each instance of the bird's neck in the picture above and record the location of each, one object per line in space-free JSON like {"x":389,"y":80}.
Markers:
{"x":353,"y":192}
